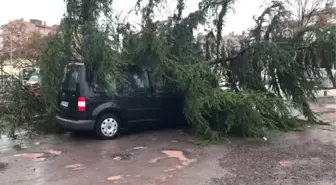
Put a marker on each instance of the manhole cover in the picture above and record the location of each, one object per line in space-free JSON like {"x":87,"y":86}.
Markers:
{"x":3,"y":166}
{"x":121,"y":156}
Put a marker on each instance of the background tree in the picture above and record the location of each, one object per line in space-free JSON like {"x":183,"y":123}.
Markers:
{"x":304,"y":11}
{"x":315,"y":13}
{"x":23,"y":46}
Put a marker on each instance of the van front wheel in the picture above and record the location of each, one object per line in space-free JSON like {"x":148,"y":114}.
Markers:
{"x":107,"y":126}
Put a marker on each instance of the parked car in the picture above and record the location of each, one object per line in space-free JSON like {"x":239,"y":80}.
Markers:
{"x":26,"y":73}
{"x":84,"y":105}
{"x":34,"y":80}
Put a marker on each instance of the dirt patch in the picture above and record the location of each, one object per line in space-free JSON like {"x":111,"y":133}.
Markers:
{"x":286,"y":163}
{"x":3,"y":166}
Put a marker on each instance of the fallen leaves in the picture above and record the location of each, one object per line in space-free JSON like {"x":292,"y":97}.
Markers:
{"x":39,"y":159}
{"x":285,"y":163}
{"x":121,"y":156}
{"x":40,"y":156}
{"x":55,"y":152}
{"x":155,"y":160}
{"x":114,"y":178}
{"x":175,"y":154}
{"x":139,"y":148}
{"x":32,"y":155}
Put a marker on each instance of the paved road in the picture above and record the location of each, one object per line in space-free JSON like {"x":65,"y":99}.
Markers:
{"x":170,"y":157}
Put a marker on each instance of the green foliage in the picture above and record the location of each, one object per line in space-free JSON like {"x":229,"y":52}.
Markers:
{"x":268,"y":78}
{"x":22,"y":111}
{"x":211,"y":111}
{"x":52,"y":66}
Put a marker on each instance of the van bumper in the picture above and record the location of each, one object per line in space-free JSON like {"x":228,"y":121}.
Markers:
{"x":75,"y":124}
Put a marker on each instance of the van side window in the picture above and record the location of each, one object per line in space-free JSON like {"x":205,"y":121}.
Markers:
{"x":99,"y":87}
{"x":159,"y":86}
{"x":138,"y":81}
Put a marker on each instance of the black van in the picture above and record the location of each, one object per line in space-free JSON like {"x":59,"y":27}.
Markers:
{"x":84,"y":105}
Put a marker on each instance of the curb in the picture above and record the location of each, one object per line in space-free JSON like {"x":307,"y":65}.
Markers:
{"x":326,"y":98}
{"x":326,"y":93}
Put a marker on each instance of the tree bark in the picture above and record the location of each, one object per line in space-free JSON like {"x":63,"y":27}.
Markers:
{"x":331,"y":77}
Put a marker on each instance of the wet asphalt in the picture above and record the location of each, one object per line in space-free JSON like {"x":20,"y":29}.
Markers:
{"x":172,"y":157}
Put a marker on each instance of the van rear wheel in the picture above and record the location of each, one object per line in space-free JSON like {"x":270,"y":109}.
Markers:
{"x":107,"y":126}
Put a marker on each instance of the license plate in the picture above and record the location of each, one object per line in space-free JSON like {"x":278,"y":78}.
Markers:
{"x":64,"y":103}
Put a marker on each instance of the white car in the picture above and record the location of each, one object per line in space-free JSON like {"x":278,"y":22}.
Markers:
{"x":33,"y":80}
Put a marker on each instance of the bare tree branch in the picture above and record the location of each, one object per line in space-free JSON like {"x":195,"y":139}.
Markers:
{"x":304,"y":10}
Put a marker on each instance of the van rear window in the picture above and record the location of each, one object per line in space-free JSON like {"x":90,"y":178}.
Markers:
{"x":70,"y":79}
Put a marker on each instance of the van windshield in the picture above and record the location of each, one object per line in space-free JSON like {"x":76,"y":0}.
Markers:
{"x":70,"y":78}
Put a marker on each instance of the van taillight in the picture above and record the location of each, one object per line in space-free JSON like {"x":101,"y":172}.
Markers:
{"x":81,"y":104}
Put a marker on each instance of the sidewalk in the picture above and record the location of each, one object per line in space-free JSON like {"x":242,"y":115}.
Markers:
{"x":324,"y":106}
{"x":326,"y":93}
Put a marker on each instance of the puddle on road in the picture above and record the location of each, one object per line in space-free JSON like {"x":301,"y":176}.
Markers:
{"x":77,"y":166}
{"x":180,"y":155}
{"x":3,"y":166}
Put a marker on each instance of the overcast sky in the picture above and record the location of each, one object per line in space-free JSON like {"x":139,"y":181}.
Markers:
{"x":52,"y":11}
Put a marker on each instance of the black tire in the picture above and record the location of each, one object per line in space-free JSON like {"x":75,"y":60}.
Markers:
{"x":109,"y":120}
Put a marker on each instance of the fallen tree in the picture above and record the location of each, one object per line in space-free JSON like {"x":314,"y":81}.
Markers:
{"x":250,"y":106}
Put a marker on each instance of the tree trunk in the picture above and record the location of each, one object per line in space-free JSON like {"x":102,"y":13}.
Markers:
{"x":331,"y":77}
